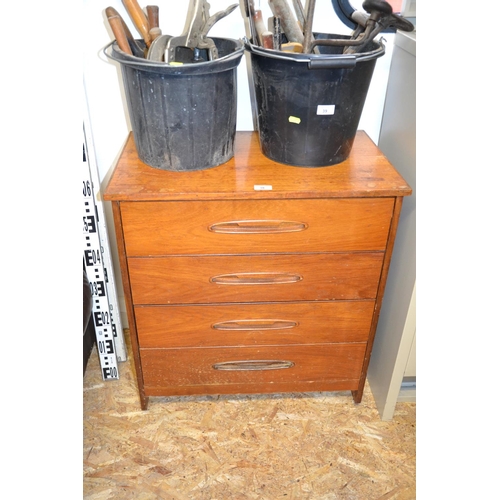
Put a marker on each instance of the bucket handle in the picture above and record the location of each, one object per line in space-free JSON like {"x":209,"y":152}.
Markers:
{"x":146,"y":63}
{"x":342,"y":62}
{"x":330,"y":61}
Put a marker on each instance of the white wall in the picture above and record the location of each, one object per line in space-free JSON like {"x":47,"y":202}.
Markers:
{"x":106,"y":102}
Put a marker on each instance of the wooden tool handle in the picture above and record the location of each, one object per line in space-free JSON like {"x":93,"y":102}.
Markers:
{"x":259,"y":26}
{"x":265,"y":37}
{"x":154,"y":33}
{"x":267,"y":40}
{"x":136,"y":50}
{"x":139,"y":19}
{"x":121,"y":39}
{"x":112,"y":12}
{"x":153,"y":16}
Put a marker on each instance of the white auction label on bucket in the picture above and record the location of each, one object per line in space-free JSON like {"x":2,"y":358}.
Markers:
{"x":326,"y":109}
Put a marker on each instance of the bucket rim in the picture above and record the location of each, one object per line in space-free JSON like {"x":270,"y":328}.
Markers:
{"x":137,"y":62}
{"x":314,"y":58}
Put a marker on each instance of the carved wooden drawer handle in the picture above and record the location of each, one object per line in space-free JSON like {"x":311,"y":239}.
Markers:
{"x":255,"y":278}
{"x":254,"y":324}
{"x":251,"y":365}
{"x":258,"y":227}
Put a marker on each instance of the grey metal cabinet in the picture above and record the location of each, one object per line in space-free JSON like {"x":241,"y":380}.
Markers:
{"x":392,"y":372}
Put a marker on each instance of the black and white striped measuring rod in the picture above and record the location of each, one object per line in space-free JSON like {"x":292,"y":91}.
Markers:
{"x":94,"y":267}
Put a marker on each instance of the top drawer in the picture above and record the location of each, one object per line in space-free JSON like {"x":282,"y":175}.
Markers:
{"x":255,"y":226}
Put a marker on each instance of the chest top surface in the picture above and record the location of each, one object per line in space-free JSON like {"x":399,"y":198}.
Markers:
{"x":250,"y":175}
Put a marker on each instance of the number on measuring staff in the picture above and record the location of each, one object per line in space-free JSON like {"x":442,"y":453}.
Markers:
{"x":92,"y":257}
{"x":97,"y":288}
{"x":101,"y":318}
{"x":106,"y":347}
{"x":87,"y":189}
{"x":89,"y":225}
{"x":111,"y":372}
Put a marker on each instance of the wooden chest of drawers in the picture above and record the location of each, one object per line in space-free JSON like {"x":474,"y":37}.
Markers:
{"x":253,"y":276}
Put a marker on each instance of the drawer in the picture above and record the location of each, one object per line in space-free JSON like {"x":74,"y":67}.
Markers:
{"x":166,"y":370}
{"x":254,"y":278}
{"x":256,"y":226}
{"x":254,"y":324}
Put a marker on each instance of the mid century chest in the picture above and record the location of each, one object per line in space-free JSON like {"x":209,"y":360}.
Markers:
{"x":254,"y":276}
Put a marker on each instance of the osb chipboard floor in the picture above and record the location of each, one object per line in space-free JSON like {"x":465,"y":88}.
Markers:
{"x":318,"y":446}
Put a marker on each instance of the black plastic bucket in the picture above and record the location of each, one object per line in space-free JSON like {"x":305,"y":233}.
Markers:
{"x":309,"y":105}
{"x":183,"y":117}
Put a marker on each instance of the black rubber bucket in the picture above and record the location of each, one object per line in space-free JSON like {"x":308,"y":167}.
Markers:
{"x":309,"y":105}
{"x":183,"y":117}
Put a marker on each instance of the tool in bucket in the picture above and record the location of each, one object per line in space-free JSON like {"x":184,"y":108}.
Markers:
{"x":381,"y":18}
{"x":158,"y":47}
{"x":139,"y":19}
{"x":194,"y":44}
{"x":299,"y":33}
{"x":122,"y":33}
{"x":153,"y":15}
{"x":147,"y":25}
